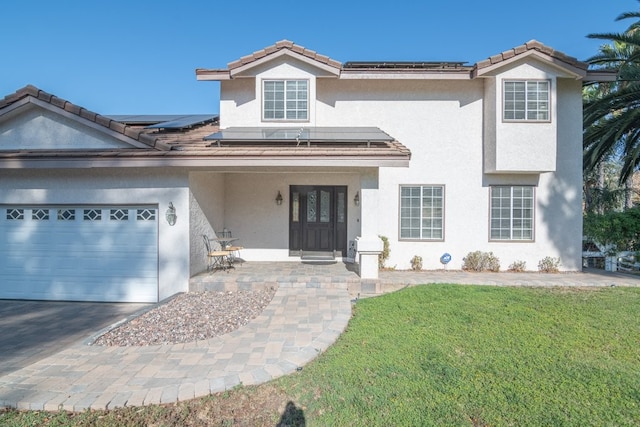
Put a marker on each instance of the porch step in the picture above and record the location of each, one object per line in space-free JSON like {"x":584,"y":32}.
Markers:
{"x":200,"y":283}
{"x":258,"y":276}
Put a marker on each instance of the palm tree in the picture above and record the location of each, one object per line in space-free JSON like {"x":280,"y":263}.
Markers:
{"x":612,"y":110}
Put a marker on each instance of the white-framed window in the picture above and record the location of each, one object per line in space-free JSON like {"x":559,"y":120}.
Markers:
{"x":526,"y":100}
{"x":512,"y":212}
{"x":285,"y":100}
{"x":422,"y":212}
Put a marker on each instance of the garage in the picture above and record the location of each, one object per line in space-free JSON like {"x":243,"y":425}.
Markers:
{"x":79,"y":253}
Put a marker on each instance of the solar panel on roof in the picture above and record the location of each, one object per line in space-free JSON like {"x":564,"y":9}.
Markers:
{"x":141,"y":119}
{"x":313,"y":134}
{"x":182,"y":122}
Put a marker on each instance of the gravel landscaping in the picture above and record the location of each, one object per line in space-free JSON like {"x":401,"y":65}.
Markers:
{"x":189,"y":317}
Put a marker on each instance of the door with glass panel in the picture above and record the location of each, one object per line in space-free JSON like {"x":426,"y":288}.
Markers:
{"x":318,"y":220}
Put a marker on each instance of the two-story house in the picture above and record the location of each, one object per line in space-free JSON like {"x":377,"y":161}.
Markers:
{"x":309,"y":157}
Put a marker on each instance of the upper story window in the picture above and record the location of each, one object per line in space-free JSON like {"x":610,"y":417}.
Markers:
{"x":526,"y":100}
{"x":285,"y":100}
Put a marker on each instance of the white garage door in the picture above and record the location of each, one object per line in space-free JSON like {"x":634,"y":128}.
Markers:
{"x":79,"y":253}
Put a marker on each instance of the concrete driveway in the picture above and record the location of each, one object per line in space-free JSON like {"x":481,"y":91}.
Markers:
{"x":33,"y":330}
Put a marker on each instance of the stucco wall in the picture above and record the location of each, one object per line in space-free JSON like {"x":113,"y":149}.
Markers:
{"x":521,"y":147}
{"x":116,"y":187}
{"x":38,"y":128}
{"x":241,"y":98}
{"x":250,"y":210}
{"x":207,"y":214}
{"x":443,"y":123}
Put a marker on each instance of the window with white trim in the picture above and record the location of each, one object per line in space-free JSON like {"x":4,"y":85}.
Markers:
{"x":511,"y":212}
{"x":285,"y":100}
{"x":422,"y":212}
{"x":526,"y":100}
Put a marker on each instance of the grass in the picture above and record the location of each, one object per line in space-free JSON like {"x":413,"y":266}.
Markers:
{"x":445,"y":355}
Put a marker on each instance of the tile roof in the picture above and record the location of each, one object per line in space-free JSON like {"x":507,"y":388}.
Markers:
{"x":386,"y":68}
{"x":528,"y":46}
{"x":189,"y":143}
{"x":283,"y":44}
{"x":104,"y":121}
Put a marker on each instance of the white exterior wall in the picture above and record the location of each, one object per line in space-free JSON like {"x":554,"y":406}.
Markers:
{"x":520,"y":147}
{"x":206,"y":213}
{"x":244,"y":203}
{"x":445,"y":125}
{"x":39,"y":129}
{"x":116,"y":187}
{"x":241,"y":98}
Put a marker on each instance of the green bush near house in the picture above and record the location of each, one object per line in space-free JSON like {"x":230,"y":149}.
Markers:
{"x":386,"y":251}
{"x":549,"y":265}
{"x":481,"y":261}
{"x":517,"y":266}
{"x":416,"y":263}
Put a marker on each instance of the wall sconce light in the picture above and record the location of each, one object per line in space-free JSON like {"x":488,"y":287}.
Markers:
{"x":356,"y":199}
{"x":279,"y":199}
{"x":171,"y":214}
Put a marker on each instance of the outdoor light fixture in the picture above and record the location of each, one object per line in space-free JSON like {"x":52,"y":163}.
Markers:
{"x":171,"y":214}
{"x":356,"y":199}
{"x":279,"y":199}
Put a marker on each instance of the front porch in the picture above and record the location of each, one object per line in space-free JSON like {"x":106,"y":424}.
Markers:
{"x":255,"y":275}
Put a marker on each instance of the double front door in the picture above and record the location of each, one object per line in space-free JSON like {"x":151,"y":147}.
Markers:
{"x":318,"y":220}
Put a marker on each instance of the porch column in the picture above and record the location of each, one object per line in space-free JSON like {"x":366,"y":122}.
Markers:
{"x":368,"y":244}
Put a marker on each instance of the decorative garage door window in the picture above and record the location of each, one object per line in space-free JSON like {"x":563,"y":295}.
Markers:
{"x":66,"y":214}
{"x":40,"y":214}
{"x":92,"y":214}
{"x":119,"y":214}
{"x":15,"y":214}
{"x":146,"y":215}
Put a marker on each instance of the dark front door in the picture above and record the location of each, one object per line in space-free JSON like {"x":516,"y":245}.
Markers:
{"x":318,"y":219}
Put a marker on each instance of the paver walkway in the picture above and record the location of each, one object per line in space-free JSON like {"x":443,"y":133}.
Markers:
{"x":296,"y":326}
{"x":307,"y":314}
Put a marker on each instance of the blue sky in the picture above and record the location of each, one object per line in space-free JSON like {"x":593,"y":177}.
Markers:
{"x":139,"y":56}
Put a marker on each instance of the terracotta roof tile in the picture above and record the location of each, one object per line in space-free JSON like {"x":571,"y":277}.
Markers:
{"x":117,"y":126}
{"x":283,"y":44}
{"x":103,"y":120}
{"x":58,"y":102}
{"x":72,"y":108}
{"x":81,"y":112}
{"x":89,"y":115}
{"x":531,"y":45}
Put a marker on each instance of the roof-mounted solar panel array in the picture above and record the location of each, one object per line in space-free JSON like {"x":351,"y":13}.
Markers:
{"x":164,"y":121}
{"x":405,"y":65}
{"x":184,"y":122}
{"x":311,"y":134}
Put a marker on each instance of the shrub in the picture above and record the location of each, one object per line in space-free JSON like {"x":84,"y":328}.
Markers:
{"x":549,"y":265}
{"x":384,"y":255}
{"x":416,"y":263}
{"x":481,"y":261}
{"x":518,"y":266}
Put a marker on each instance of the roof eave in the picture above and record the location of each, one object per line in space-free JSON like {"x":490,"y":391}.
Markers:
{"x":574,"y":71}
{"x":236,"y":71}
{"x":203,"y":74}
{"x":601,"y":76}
{"x":201,"y":161}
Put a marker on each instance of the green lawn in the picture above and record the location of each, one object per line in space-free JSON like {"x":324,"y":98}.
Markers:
{"x":473,"y":355}
{"x":445,"y":355}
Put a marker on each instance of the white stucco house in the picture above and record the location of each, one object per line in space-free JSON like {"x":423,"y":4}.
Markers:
{"x":307,"y":156}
